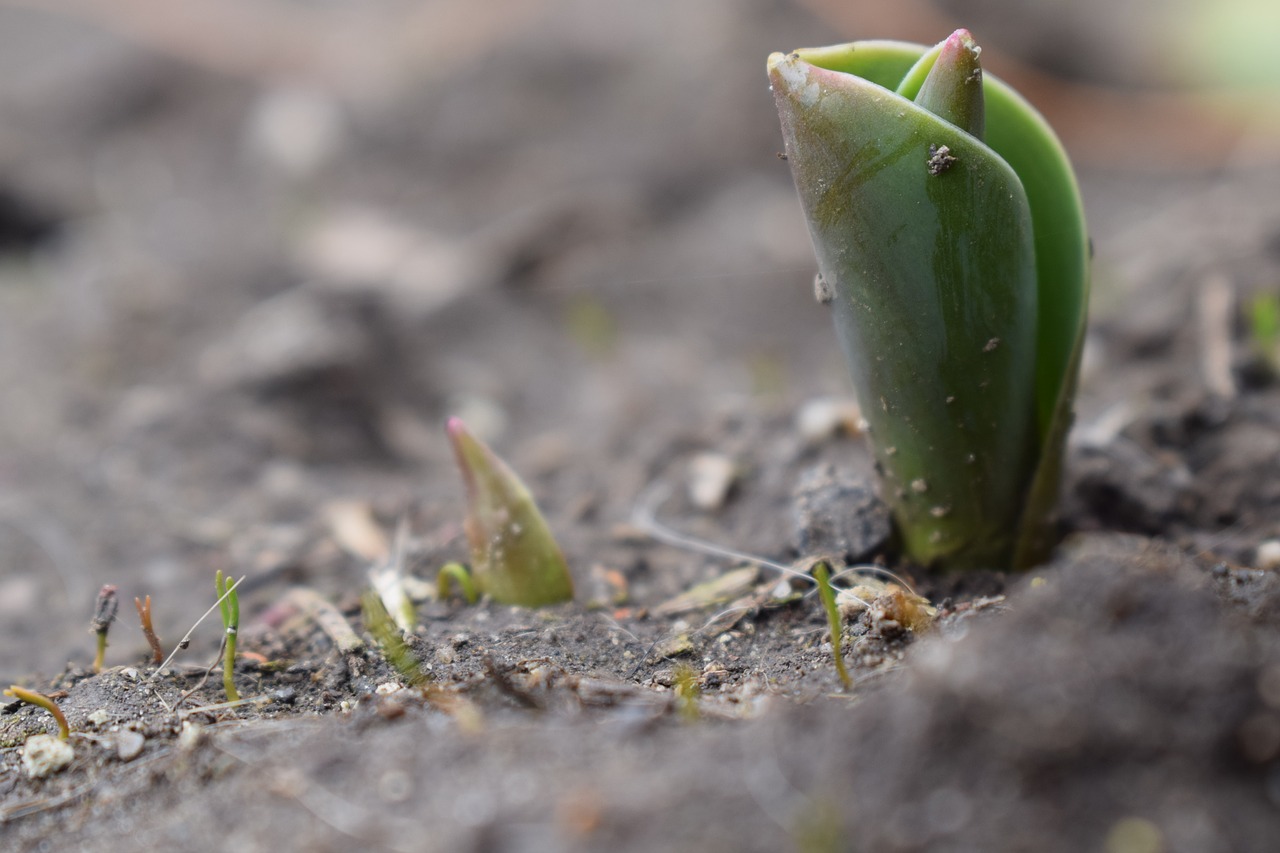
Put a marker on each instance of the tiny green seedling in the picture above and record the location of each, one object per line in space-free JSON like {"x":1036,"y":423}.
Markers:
{"x":456,"y":574}
{"x":951,"y":247}
{"x":390,"y":641}
{"x":688,"y":690}
{"x":514,"y":557}
{"x":229,"y":604}
{"x":822,"y":574}
{"x":31,"y":697}
{"x":104,"y":613}
{"x":1264,"y":329}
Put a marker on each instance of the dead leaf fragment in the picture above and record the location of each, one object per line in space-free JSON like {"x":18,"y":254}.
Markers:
{"x":725,"y":588}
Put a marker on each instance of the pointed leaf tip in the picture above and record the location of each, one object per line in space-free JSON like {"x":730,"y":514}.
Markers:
{"x":515,"y":558}
{"x":953,"y":89}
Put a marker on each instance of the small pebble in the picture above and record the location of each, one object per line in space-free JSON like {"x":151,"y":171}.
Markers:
{"x":711,"y":476}
{"x":43,"y":755}
{"x":1268,"y":556}
{"x":100,"y":717}
{"x":129,"y":745}
{"x":824,"y":417}
{"x":189,"y":737}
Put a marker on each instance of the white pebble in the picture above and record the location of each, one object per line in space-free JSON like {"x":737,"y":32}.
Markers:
{"x":1268,"y":556}
{"x":823,"y":417}
{"x":711,"y":476}
{"x":45,"y":754}
{"x":129,"y":744}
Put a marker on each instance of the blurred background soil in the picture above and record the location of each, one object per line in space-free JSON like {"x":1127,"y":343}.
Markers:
{"x":252,"y":254}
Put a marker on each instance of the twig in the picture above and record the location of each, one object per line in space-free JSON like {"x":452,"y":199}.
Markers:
{"x":1216,"y":303}
{"x":144,"y":616}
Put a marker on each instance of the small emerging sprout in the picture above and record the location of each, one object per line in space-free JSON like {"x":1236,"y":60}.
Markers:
{"x":822,"y":575}
{"x":514,"y":557}
{"x":229,"y":604}
{"x":1264,"y":329}
{"x":390,"y":641}
{"x":31,"y":697}
{"x":104,"y":613}
{"x":688,"y":691}
{"x":144,"y":616}
{"x":458,"y":574}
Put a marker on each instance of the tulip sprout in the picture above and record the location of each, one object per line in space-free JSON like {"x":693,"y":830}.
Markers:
{"x":31,"y":697}
{"x":229,"y":604}
{"x":951,"y":246}
{"x":514,"y":557}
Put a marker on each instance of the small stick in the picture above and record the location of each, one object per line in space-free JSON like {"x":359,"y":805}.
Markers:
{"x":104,"y":613}
{"x":33,"y":698}
{"x":144,"y":615}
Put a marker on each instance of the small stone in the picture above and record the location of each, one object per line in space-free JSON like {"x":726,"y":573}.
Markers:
{"x":100,"y":717}
{"x":290,"y":337}
{"x":711,"y":476}
{"x":839,"y":516}
{"x":190,"y":735}
{"x":823,"y":418}
{"x":1267,"y":557}
{"x":673,"y":647}
{"x":386,"y":688}
{"x":297,"y":130}
{"x":43,"y":755}
{"x":129,"y":745}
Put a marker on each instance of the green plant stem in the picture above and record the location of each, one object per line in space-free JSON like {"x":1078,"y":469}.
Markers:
{"x":229,"y":603}
{"x":457,"y":573}
{"x":101,"y":656}
{"x":31,"y":697}
{"x":823,"y":576}
{"x":687,"y":693}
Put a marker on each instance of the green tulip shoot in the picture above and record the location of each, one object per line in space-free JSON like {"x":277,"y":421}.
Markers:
{"x":951,"y":245}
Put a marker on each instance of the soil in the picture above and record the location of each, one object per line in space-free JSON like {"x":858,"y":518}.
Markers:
{"x":242,"y":286}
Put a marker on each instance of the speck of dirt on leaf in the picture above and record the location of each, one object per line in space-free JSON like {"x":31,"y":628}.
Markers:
{"x":991,"y":345}
{"x":940,"y":159}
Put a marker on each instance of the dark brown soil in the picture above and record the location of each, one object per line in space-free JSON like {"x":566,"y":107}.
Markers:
{"x":242,"y":286}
